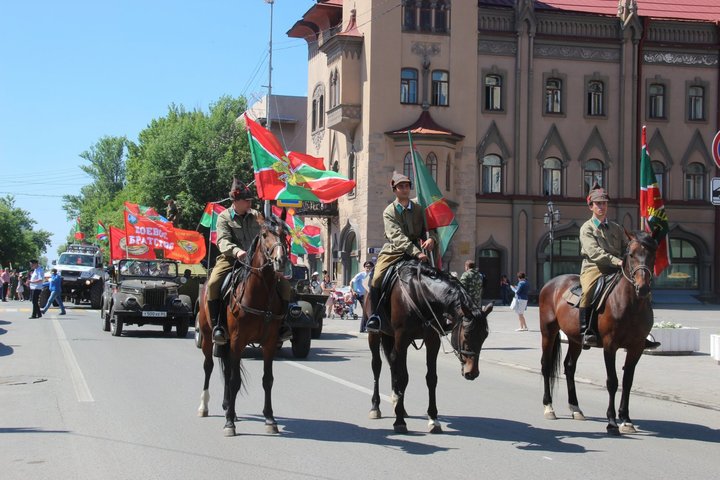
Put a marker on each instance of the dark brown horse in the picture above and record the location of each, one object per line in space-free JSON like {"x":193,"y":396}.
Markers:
{"x":424,"y":304}
{"x":254,"y":315}
{"x":624,"y":322}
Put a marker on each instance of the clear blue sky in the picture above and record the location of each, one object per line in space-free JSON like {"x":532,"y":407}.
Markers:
{"x":72,"y":72}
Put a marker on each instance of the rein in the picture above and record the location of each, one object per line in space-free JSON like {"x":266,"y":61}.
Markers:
{"x":631,"y":277}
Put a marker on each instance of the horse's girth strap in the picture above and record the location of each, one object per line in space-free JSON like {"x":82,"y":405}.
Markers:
{"x":266,"y":314}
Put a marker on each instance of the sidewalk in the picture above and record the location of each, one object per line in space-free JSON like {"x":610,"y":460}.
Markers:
{"x":690,"y":379}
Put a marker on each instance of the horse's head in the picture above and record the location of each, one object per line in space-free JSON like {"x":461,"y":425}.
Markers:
{"x":273,"y":241}
{"x":639,"y":262}
{"x":469,"y":334}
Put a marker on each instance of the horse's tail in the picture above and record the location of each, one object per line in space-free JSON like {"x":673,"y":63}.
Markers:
{"x":555,"y":361}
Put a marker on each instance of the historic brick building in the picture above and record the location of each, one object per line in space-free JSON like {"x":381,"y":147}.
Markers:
{"x":513,"y":104}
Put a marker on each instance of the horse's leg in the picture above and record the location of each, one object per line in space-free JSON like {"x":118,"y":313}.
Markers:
{"x":432,"y":346}
{"x":208,"y":365}
{"x":631,"y":360}
{"x":232,"y":388}
{"x":612,"y":386}
{"x":376,"y":363}
{"x":549,"y":366}
{"x":400,"y":362}
{"x":570,"y":364}
{"x":267,"y":382}
{"x":388,"y":344}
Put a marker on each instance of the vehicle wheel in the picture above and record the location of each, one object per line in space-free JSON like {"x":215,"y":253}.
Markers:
{"x":44,"y":295}
{"x":167,"y":327}
{"x":316,"y":332}
{"x":198,"y":333}
{"x":105,"y":319}
{"x":96,"y":293}
{"x":116,"y":325}
{"x":301,"y":342}
{"x":181,"y":328}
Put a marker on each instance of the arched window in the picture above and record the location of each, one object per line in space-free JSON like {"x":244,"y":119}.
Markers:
{"x":440,"y":88}
{"x":593,"y":173}
{"x":552,"y":176}
{"x":696,"y":99}
{"x":656,"y":100}
{"x":491,"y":173}
{"x":553,"y":95}
{"x":431,"y":164}
{"x":408,"y":85}
{"x":493,"y":92}
{"x":408,"y":169}
{"x":566,"y":256}
{"x":318,"y":108}
{"x":334,"y":88}
{"x":684,"y":272}
{"x":352,"y":167}
{"x":695,"y":181}
{"x":595,"y":100}
{"x":659,"y":170}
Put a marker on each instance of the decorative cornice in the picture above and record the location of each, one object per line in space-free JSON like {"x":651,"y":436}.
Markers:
{"x":494,"y":47}
{"x":577,"y":53}
{"x":671,"y":58}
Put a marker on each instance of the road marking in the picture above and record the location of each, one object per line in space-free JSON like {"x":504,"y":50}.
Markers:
{"x":81,"y":388}
{"x":335,"y":379}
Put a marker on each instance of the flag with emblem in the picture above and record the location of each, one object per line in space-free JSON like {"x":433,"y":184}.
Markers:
{"x":102,"y":234}
{"x":78,"y":234}
{"x":438,"y":214}
{"x":304,"y":239}
{"x":291,"y":176}
{"x":652,"y":209}
{"x":209,"y":219}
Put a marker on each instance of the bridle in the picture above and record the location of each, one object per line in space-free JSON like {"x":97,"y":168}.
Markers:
{"x":637,"y":268}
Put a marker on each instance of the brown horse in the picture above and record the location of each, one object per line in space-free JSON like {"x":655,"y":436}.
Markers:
{"x":255,"y":312}
{"x":424,"y":304}
{"x":624,"y":322}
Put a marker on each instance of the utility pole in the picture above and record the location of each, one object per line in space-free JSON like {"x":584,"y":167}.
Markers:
{"x":269,"y":97}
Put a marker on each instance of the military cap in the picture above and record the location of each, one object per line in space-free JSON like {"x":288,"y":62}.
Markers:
{"x":398,"y":178}
{"x":597,"y":194}
{"x":240,"y":191}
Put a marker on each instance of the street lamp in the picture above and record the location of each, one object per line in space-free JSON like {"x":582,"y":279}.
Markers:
{"x":551,"y":218}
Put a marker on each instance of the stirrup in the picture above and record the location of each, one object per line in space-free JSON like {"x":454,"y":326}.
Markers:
{"x":373,"y":324}
{"x":285,"y":333}
{"x":219,"y":337}
{"x":589,"y":340}
{"x":651,"y":345}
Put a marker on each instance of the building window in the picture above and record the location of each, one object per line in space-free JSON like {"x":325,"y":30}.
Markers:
{"x":566,"y":256}
{"x":684,"y":273}
{"x":553,"y":95}
{"x":595,"y":98}
{"x":426,"y":12}
{"x":447,"y":174}
{"x":659,"y":170}
{"x":696,"y":101}
{"x":334,"y":88}
{"x":656,"y":101}
{"x":491,"y":174}
{"x":441,"y":16}
{"x":695,"y":181}
{"x":351,"y":171}
{"x":493,"y":93}
{"x":408,"y":85}
{"x":317,"y":116}
{"x":593,"y":174}
{"x":408,"y":168}
{"x":552,"y":177}
{"x":440,"y":88}
{"x":431,"y":164}
{"x":409,"y":15}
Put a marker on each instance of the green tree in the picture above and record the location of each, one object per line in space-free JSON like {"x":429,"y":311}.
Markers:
{"x":19,"y":242}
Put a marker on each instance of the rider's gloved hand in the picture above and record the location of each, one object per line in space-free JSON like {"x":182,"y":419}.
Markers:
{"x":422,"y":257}
{"x":241,"y":254}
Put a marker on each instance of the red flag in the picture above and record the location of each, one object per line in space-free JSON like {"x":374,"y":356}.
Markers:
{"x":652,"y":208}
{"x":120,"y":250}
{"x":209,"y":219}
{"x":189,"y":247}
{"x":144,"y":227}
{"x":79,"y":235}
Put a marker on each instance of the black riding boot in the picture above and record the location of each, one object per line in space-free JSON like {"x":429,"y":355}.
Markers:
{"x":651,"y":345}
{"x":589,"y":337}
{"x":373,"y":322}
{"x":218,"y":334}
{"x":285,"y":332}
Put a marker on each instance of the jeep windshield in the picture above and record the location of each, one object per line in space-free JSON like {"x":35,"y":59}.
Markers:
{"x":148,"y":268}
{"x":76,"y":259}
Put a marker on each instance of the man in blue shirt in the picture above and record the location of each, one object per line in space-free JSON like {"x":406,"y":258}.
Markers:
{"x":55,"y":285}
{"x":357,"y":284}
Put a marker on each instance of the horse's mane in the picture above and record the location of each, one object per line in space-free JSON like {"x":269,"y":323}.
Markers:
{"x":268,"y":224}
{"x":646,"y":240}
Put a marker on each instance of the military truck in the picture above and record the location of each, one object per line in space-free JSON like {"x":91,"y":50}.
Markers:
{"x":81,"y":269}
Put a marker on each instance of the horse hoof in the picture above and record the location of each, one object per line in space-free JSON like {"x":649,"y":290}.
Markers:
{"x":549,"y":413}
{"x":578,"y":416}
{"x":434,"y":428}
{"x":374,"y":414}
{"x":400,"y":428}
{"x":613,"y":430}
{"x":202,"y":413}
{"x":627,"y":427}
{"x":271,"y":428}
{"x":229,"y":431}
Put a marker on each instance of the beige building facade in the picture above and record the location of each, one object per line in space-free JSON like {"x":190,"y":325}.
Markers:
{"x":512,"y":105}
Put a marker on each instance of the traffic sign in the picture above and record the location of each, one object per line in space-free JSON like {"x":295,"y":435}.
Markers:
{"x":715,"y":190}
{"x":716,"y":148}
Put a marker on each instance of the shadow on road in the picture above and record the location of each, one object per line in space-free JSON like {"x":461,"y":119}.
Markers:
{"x":6,"y":350}
{"x":679,"y":430}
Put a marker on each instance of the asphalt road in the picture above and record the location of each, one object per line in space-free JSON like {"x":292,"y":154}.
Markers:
{"x":78,"y":403}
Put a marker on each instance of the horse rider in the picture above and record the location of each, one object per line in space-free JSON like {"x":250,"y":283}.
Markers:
{"x":172,"y":213}
{"x":237,"y":227}
{"x":404,"y":222}
{"x":602,"y":245}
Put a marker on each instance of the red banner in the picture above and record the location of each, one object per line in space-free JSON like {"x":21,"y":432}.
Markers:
{"x":148,"y":230}
{"x":189,"y":247}
{"x":120,"y":250}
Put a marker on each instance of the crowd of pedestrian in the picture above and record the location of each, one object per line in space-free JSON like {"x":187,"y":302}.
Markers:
{"x":20,"y":286}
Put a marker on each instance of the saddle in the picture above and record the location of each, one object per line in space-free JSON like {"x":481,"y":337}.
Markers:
{"x":603,"y":287}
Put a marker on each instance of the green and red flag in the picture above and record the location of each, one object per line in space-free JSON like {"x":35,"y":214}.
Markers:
{"x":652,"y":209}
{"x":304,"y":239}
{"x":209,"y":219}
{"x":438,"y":214}
{"x":79,"y":235}
{"x":102,"y":233}
{"x":291,"y":176}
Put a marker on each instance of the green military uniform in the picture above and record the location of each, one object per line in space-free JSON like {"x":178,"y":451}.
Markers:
{"x":472,"y":280}
{"x":234,"y":233}
{"x":172,"y":213}
{"x":601,"y":246}
{"x":404,"y":230}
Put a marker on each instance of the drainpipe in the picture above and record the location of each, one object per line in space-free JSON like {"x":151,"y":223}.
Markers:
{"x":716,"y":249}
